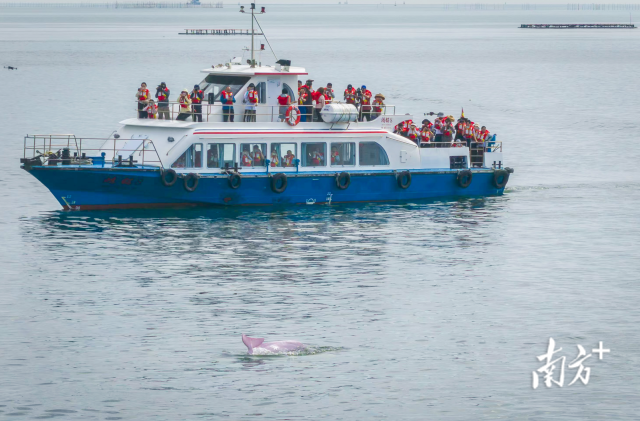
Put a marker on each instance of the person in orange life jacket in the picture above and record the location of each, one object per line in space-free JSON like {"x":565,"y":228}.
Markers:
{"x":302,"y":98}
{"x":227,"y":99}
{"x":469,"y":134}
{"x":335,"y":156}
{"x":251,"y":99}
{"x":329,"y":95}
{"x":143,"y":99}
{"x":378,"y":105}
{"x":317,"y":158}
{"x":274,"y":159}
{"x":366,"y":103}
{"x":258,"y":157}
{"x":438,"y":125}
{"x":350,"y":95}
{"x":486,"y":138}
{"x":151,"y":109}
{"x":288,"y":159}
{"x":405,"y":128}
{"x":460,"y":129}
{"x":185,"y":105}
{"x":414,"y":133}
{"x":426,"y":132}
{"x":320,"y":101}
{"x":162,"y":94}
{"x":448,"y":130}
{"x":308,"y":101}
{"x":246,"y":159}
{"x":197,"y":96}
{"x":284,"y":100}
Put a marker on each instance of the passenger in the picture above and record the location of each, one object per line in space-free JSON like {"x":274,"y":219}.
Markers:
{"x":227,"y":99}
{"x":143,"y":99}
{"x":308,"y":102}
{"x":151,"y":109}
{"x":274,"y":159}
{"x":197,"y":96}
{"x":414,"y":133}
{"x":426,"y":132}
{"x":317,"y":158}
{"x":251,"y":99}
{"x":405,"y":128}
{"x":302,"y":99}
{"x":460,"y":126}
{"x":469,"y":134}
{"x":487,"y":138}
{"x":350,"y":95}
{"x":366,"y":103}
{"x":335,"y":156}
{"x":378,"y":105}
{"x":162,"y":94}
{"x":257,"y":156}
{"x":299,"y":85}
{"x":447,"y":131}
{"x":212,"y":157}
{"x":320,"y":101}
{"x":246,"y":159}
{"x":329,"y":95}
{"x":284,"y":100}
{"x":438,"y":125}
{"x":358,"y":102}
{"x":185,"y":105}
{"x":288,"y":159}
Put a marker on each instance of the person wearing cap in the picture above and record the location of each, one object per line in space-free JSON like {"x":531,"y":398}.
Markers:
{"x":227,"y":99}
{"x":197,"y":96}
{"x":365,"y":101}
{"x":350,"y":95}
{"x":251,"y":99}
{"x":329,"y":96}
{"x":185,"y":105}
{"x":162,"y":94}
{"x":378,"y":105}
{"x":143,"y":99}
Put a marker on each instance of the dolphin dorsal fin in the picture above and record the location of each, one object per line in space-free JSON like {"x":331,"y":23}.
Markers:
{"x":252,"y":342}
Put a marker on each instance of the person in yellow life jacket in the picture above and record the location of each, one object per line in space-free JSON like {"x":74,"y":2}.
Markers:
{"x":251,"y":99}
{"x":350,"y":95}
{"x":246,"y":159}
{"x":185,"y":105}
{"x":378,"y":105}
{"x":151,"y":109}
{"x":302,"y":99}
{"x":414,"y":133}
{"x":274,"y":159}
{"x":143,"y":99}
{"x":335,"y":156}
{"x":258,"y":157}
{"x":197,"y":96}
{"x":288,"y":159}
{"x":162,"y":94}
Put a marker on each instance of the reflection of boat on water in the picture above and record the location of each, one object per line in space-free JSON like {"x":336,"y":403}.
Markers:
{"x":276,"y":159}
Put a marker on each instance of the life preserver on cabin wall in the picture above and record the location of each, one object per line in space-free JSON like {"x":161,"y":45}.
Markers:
{"x":292,"y":116}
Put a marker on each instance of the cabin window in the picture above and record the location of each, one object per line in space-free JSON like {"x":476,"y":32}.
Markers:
{"x":283,"y":154}
{"x":343,"y":153}
{"x":191,"y":158}
{"x":219,"y":155}
{"x":290,"y":92}
{"x":313,"y":154}
{"x":217,"y":83}
{"x":253,"y":154}
{"x":371,"y":153}
{"x":261,"y":88}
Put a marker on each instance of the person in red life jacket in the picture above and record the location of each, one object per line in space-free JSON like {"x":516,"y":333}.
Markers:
{"x":274,"y":159}
{"x":151,"y":109}
{"x":405,"y":128}
{"x":257,"y":156}
{"x":143,"y":99}
{"x":302,"y":99}
{"x":317,"y":158}
{"x":426,"y":131}
{"x":335,"y":156}
{"x":320,"y":101}
{"x":284,"y":100}
{"x":197,"y":96}
{"x":185,"y":105}
{"x":251,"y":99}
{"x":460,"y":126}
{"x":365,"y":102}
{"x":227,"y":99}
{"x":288,"y":159}
{"x":299,"y":85}
{"x":438,"y":125}
{"x":447,"y":131}
{"x":162,"y":94}
{"x":246,"y":160}
{"x":469,"y":133}
{"x":414,"y":133}
{"x":350,"y":95}
{"x":378,"y":106}
{"x":329,"y":95}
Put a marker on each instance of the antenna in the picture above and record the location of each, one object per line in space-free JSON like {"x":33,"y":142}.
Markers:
{"x":253,"y":8}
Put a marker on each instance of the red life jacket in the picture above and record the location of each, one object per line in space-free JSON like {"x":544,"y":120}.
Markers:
{"x":283,"y":99}
{"x":302,"y":98}
{"x":366,"y":97}
{"x":161,"y":95}
{"x":227,"y":97}
{"x":288,"y":160}
{"x":253,"y":97}
{"x":257,"y":158}
{"x":196,"y":97}
{"x":377,"y":102}
{"x":246,"y":160}
{"x":144,"y":95}
{"x":350,"y":95}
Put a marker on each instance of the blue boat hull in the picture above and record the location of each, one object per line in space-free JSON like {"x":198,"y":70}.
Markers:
{"x":85,"y":188}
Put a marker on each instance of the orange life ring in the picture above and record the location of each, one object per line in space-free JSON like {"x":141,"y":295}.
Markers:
{"x":292,"y":117}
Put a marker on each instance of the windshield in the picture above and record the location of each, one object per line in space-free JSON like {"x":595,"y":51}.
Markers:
{"x":214,"y":84}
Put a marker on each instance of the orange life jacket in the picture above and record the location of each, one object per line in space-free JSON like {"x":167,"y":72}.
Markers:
{"x":227,"y":97}
{"x":246,"y":160}
{"x":144,"y":95}
{"x":288,"y":160}
{"x":274,"y":161}
{"x":253,"y":97}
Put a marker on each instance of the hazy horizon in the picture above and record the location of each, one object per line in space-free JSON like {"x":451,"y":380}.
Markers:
{"x":329,"y":2}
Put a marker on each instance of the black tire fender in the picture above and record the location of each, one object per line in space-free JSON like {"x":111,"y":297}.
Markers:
{"x":171,"y":181}
{"x":404,"y":179}
{"x":500,"y":178}
{"x":234,"y":180}
{"x":464,"y":178}
{"x":339,"y":180}
{"x":187,"y":179}
{"x":275,"y":179}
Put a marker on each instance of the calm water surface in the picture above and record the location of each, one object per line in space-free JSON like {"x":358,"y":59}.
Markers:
{"x":425,"y":310}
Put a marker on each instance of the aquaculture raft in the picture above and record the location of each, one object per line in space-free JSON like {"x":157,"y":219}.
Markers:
{"x":578,"y":25}
{"x":218,"y":32}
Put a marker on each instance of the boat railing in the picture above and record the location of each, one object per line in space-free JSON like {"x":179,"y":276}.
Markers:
{"x":488,"y":146}
{"x":68,"y":149}
{"x":264,"y":113}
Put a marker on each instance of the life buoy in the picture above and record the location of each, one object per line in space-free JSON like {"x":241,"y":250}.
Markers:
{"x":343,"y":180}
{"x":234,"y":180}
{"x":500,"y":178}
{"x":279,"y":183}
{"x":404,"y":179}
{"x":168,"y":182}
{"x":464,"y":178}
{"x":292,"y":116}
{"x":187,"y":180}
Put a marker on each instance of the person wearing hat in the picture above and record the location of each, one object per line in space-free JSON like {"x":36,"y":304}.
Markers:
{"x":378,"y":105}
{"x":350,"y":95}
{"x":251,"y":99}
{"x":197,"y":96}
{"x":426,"y":131}
{"x":365,"y":103}
{"x":414,"y":133}
{"x":162,"y":94}
{"x":185,"y":105}
{"x":447,"y":131}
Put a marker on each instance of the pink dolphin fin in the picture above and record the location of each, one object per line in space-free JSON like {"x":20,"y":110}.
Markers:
{"x":251,"y":342}
{"x":259,"y":345}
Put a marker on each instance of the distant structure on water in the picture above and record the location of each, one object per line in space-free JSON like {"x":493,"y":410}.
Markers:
{"x":578,"y":25}
{"x":124,"y":5}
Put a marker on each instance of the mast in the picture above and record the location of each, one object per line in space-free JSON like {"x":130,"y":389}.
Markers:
{"x":253,"y":8}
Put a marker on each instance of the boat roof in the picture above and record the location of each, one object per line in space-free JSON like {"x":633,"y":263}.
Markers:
{"x":247,"y":70}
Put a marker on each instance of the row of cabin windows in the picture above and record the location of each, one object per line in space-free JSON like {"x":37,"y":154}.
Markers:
{"x":283,"y":155}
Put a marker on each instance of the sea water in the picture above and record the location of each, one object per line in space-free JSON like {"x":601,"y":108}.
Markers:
{"x":426,"y":310}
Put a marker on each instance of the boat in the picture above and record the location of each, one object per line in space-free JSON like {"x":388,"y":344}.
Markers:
{"x":275,"y":160}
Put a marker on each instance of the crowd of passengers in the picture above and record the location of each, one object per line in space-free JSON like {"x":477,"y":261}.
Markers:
{"x":445,"y":132}
{"x":310,"y":102}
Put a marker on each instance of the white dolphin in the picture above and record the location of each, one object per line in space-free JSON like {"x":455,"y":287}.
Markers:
{"x":258,"y":346}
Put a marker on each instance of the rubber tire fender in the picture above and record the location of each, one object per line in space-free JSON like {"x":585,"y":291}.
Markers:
{"x":274,"y":183}
{"x":401,"y":179}
{"x":347,"y":177}
{"x":188,"y":178}
{"x":462,"y":175}
{"x":234,"y":180}
{"x":163,"y":177}
{"x":500,"y":178}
